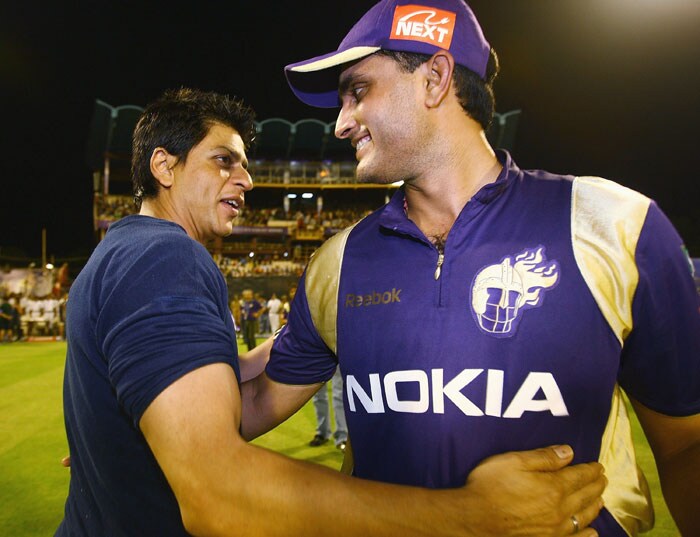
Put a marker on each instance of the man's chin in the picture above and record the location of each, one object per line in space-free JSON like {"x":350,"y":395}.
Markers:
{"x":371,"y":177}
{"x":365,"y":174}
{"x":225,"y":231}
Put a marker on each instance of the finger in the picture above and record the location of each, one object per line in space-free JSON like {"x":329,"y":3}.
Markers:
{"x":578,"y":476}
{"x":588,"y":532}
{"x":550,"y":458}
{"x":585,"y":497}
{"x":584,"y":518}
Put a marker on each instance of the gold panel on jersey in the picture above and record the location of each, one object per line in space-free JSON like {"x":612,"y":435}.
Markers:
{"x":322,"y":282}
{"x":606,"y":221}
{"x":627,"y":497}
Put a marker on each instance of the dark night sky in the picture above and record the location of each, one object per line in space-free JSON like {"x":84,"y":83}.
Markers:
{"x":607,"y":87}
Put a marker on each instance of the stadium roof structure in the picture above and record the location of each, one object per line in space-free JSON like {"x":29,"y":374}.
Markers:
{"x":277,"y":139}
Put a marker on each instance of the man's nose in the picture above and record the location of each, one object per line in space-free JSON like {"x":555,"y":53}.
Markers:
{"x":345,"y":123}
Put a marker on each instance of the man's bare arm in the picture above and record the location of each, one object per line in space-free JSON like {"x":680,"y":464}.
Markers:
{"x":676,"y":445}
{"x":226,"y":486}
{"x":253,"y":362}
{"x":266,"y":403}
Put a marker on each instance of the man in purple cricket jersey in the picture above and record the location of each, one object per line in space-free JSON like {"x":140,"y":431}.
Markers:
{"x":485,"y":308}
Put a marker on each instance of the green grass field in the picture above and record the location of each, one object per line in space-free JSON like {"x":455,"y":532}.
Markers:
{"x":33,"y":484}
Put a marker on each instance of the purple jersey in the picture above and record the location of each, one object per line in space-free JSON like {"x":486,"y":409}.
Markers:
{"x":552,"y":293}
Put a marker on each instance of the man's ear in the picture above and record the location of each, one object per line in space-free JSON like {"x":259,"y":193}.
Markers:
{"x":162,"y":164}
{"x":438,"y":77}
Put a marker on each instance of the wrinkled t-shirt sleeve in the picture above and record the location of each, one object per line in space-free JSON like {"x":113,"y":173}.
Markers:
{"x":162,"y":322}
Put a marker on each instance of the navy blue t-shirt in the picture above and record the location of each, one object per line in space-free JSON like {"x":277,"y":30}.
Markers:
{"x":149,"y":307}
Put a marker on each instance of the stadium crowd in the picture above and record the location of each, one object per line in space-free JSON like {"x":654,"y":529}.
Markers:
{"x":247,"y":267}
{"x":32,"y":304}
{"x":110,"y":208}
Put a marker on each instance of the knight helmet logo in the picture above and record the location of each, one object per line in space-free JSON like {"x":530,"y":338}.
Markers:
{"x":500,"y":293}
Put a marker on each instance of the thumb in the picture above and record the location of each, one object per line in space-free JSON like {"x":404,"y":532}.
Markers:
{"x":548,"y":459}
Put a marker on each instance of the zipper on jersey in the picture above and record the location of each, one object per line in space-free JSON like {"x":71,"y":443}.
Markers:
{"x":438,"y":269}
{"x":438,"y":273}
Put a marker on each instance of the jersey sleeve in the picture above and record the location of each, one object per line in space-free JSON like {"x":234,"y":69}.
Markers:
{"x":660,"y":364}
{"x":299,"y":355}
{"x":163,"y":320}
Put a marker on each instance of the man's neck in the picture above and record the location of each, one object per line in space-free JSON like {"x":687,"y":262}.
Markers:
{"x":158,"y":207}
{"x":434,"y":203}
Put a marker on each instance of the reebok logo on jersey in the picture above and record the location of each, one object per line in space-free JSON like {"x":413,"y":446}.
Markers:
{"x":375,"y":298}
{"x":424,"y":24}
{"x":501,"y":292}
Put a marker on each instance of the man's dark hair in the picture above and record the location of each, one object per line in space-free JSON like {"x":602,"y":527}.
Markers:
{"x":474,"y":93}
{"x":178,"y":121}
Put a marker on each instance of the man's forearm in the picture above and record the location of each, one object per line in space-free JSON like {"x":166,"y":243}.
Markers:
{"x":272,"y":495}
{"x":226,"y":486}
{"x":675,"y":441}
{"x":265,"y":404}
{"x":268,"y":494}
{"x":680,"y":482}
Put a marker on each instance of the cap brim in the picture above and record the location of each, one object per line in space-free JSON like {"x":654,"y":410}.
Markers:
{"x":315,"y":81}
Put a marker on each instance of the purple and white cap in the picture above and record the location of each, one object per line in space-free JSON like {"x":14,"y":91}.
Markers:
{"x":422,"y":26}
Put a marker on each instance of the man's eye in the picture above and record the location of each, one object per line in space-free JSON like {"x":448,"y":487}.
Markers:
{"x":358,"y":92}
{"x":224,"y":159}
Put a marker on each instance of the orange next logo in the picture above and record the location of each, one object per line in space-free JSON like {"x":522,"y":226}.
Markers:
{"x":425,"y":24}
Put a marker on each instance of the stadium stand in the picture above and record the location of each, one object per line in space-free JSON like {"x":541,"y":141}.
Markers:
{"x":305,"y":190}
{"x":309,"y":138}
{"x":98,"y":135}
{"x":337,"y":150}
{"x":124,"y":123}
{"x":110,"y":132}
{"x":274,"y":139}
